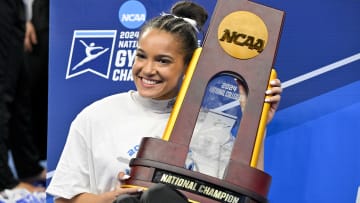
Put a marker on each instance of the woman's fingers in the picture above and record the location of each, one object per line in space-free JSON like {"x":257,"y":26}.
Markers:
{"x":123,"y":176}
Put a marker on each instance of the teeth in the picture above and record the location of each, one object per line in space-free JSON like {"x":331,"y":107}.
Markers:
{"x":149,"y":82}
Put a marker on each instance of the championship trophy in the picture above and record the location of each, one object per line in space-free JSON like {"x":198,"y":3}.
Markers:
{"x":220,"y":109}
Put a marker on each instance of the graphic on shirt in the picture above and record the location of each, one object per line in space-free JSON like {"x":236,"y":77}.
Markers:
{"x":91,"y":51}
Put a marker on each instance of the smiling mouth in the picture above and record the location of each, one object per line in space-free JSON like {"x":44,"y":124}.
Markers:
{"x":149,"y":82}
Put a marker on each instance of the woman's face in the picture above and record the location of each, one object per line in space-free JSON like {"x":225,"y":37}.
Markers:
{"x":159,"y":65}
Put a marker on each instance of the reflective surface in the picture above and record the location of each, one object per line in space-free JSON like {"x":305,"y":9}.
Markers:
{"x":217,"y":125}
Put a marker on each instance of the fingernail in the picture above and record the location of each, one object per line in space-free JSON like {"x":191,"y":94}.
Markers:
{"x":268,"y":92}
{"x":273,"y":82}
{"x":126,"y":177}
{"x":140,"y":189}
{"x":267,"y":100}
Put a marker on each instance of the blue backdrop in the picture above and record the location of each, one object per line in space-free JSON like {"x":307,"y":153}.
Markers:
{"x":312,"y":146}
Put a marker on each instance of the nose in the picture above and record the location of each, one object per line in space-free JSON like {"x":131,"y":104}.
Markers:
{"x":149,"y":68}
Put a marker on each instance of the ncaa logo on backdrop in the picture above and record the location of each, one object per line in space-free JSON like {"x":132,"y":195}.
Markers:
{"x":91,"y":51}
{"x":108,"y":53}
{"x":132,"y":14}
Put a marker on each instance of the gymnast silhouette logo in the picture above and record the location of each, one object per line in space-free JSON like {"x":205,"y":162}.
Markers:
{"x":91,"y":51}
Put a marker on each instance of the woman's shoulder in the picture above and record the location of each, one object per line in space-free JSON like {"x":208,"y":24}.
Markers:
{"x":116,"y":97}
{"x":110,"y":102}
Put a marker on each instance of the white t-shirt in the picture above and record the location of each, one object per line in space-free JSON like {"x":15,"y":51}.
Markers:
{"x":106,"y":135}
{"x":102,"y":139}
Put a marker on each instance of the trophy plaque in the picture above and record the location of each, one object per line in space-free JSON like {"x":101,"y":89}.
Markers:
{"x":221,"y":101}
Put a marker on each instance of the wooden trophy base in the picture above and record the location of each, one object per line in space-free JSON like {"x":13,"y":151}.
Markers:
{"x":158,"y":161}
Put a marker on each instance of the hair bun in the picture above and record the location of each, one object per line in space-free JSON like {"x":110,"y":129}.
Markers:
{"x":188,"y":9}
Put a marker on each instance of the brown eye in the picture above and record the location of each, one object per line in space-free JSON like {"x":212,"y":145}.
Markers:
{"x":140,"y":55}
{"x":164,"y":61}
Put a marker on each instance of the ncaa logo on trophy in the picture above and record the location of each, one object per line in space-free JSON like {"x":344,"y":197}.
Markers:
{"x":245,"y":39}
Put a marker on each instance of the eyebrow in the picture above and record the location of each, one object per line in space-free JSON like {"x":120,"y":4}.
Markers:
{"x":139,"y":49}
{"x":157,"y":56}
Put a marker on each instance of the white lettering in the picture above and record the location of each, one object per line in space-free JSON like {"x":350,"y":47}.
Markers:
{"x":218,"y":194}
{"x":229,"y":86}
{"x":217,"y":91}
{"x":127,"y":44}
{"x":131,"y":57}
{"x":133,"y":17}
{"x":125,"y":55}
{"x":122,"y":75}
{"x":232,"y":95}
{"x":164,"y":178}
{"x":120,"y":59}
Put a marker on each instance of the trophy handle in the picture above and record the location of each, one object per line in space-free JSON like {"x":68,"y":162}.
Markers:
{"x":262,"y":126}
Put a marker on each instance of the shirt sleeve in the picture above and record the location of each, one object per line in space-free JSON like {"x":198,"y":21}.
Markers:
{"x":72,"y":174}
{"x":28,"y":9}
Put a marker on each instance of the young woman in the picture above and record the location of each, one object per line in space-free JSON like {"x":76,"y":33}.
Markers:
{"x":106,"y":134}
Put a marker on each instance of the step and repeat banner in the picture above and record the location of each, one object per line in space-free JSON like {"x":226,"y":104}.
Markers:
{"x":312,"y":146}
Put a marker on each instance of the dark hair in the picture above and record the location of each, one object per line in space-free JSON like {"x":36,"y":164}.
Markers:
{"x":188,"y":9}
{"x":175,"y":24}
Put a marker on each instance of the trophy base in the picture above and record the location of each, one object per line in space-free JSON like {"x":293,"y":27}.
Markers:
{"x":249,"y":186}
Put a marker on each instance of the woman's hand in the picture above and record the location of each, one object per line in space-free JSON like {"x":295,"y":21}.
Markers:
{"x":273,"y":97}
{"x":122,"y":191}
{"x":122,"y":177}
{"x":106,"y":197}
